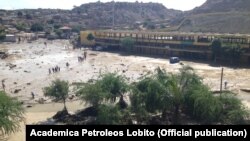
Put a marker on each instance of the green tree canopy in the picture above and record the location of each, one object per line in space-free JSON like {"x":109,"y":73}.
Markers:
{"x":90,"y":37}
{"x":11,"y":114}
{"x":37,"y":27}
{"x":108,"y":87}
{"x":92,"y":94}
{"x":59,"y":90}
{"x":28,"y":16}
{"x":109,"y":115}
{"x":127,"y":43}
{"x":233,"y":111}
{"x":115,"y":85}
{"x":21,"y":26}
{"x":2,"y":33}
{"x":232,"y":52}
{"x":174,"y":96}
{"x":19,"y":14}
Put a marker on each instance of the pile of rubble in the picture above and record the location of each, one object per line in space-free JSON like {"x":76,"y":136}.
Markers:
{"x":3,"y":55}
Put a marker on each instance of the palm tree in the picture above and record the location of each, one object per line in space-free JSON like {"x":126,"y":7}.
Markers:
{"x":178,"y":86}
{"x":233,"y":111}
{"x":150,"y":96}
{"x":202,"y":105}
{"x":11,"y":114}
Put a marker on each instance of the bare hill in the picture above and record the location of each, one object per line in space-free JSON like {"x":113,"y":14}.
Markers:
{"x":224,"y":16}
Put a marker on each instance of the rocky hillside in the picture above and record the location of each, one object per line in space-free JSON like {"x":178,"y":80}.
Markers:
{"x":123,"y":14}
{"x":212,"y":6}
{"x":224,"y":16}
{"x":120,"y":15}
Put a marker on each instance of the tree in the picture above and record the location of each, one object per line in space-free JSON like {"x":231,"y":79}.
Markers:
{"x":90,"y":37}
{"x":28,"y":16}
{"x":19,"y":14}
{"x":148,"y":96}
{"x":233,"y":52}
{"x":77,"y":29}
{"x":115,"y":85}
{"x":102,"y":95}
{"x":92,"y":94}
{"x":149,"y":24}
{"x":109,"y":115}
{"x":233,"y":111}
{"x":2,"y":33}
{"x":216,"y":49}
{"x":128,"y":43}
{"x":161,"y":93}
{"x":51,"y":21}
{"x":58,"y":32}
{"x":59,"y":90}
{"x":57,"y":26}
{"x":21,"y":26}
{"x":107,"y":88}
{"x":11,"y":114}
{"x":202,"y":105}
{"x":37,"y":27}
{"x":178,"y":86}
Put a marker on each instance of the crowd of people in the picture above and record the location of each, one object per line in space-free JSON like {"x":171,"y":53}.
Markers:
{"x":82,"y":58}
{"x":54,"y":69}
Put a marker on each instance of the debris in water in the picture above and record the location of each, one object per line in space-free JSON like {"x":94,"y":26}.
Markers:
{"x":17,"y":91}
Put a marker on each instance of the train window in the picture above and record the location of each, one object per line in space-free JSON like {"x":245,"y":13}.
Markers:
{"x":117,"y":35}
{"x":139,"y":35}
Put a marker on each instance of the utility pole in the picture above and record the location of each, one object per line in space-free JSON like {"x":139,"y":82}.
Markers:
{"x":113,"y":26}
{"x":221,"y":79}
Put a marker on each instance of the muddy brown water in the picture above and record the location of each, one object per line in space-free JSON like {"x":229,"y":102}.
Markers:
{"x":33,"y":60}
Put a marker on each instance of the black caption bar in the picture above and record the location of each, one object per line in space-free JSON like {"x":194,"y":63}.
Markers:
{"x":80,"y":132}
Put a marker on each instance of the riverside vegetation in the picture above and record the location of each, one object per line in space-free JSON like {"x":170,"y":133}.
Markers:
{"x":158,"y":98}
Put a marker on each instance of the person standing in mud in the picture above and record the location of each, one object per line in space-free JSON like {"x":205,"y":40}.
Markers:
{"x":85,"y":55}
{"x":49,"y":71}
{"x":32,"y":95}
{"x":67,"y":65}
{"x":53,"y":69}
{"x":3,"y":85}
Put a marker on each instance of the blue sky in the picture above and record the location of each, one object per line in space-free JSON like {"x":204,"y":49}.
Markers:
{"x":68,"y":4}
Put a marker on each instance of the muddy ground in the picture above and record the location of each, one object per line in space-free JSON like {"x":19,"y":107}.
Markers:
{"x":26,"y":70}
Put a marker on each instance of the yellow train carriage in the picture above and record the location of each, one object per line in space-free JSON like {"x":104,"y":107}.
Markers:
{"x":84,"y":40}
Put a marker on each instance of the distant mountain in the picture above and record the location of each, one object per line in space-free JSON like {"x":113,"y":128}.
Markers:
{"x":212,"y":6}
{"x":224,"y":16}
{"x":96,"y":15}
{"x":124,"y":13}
